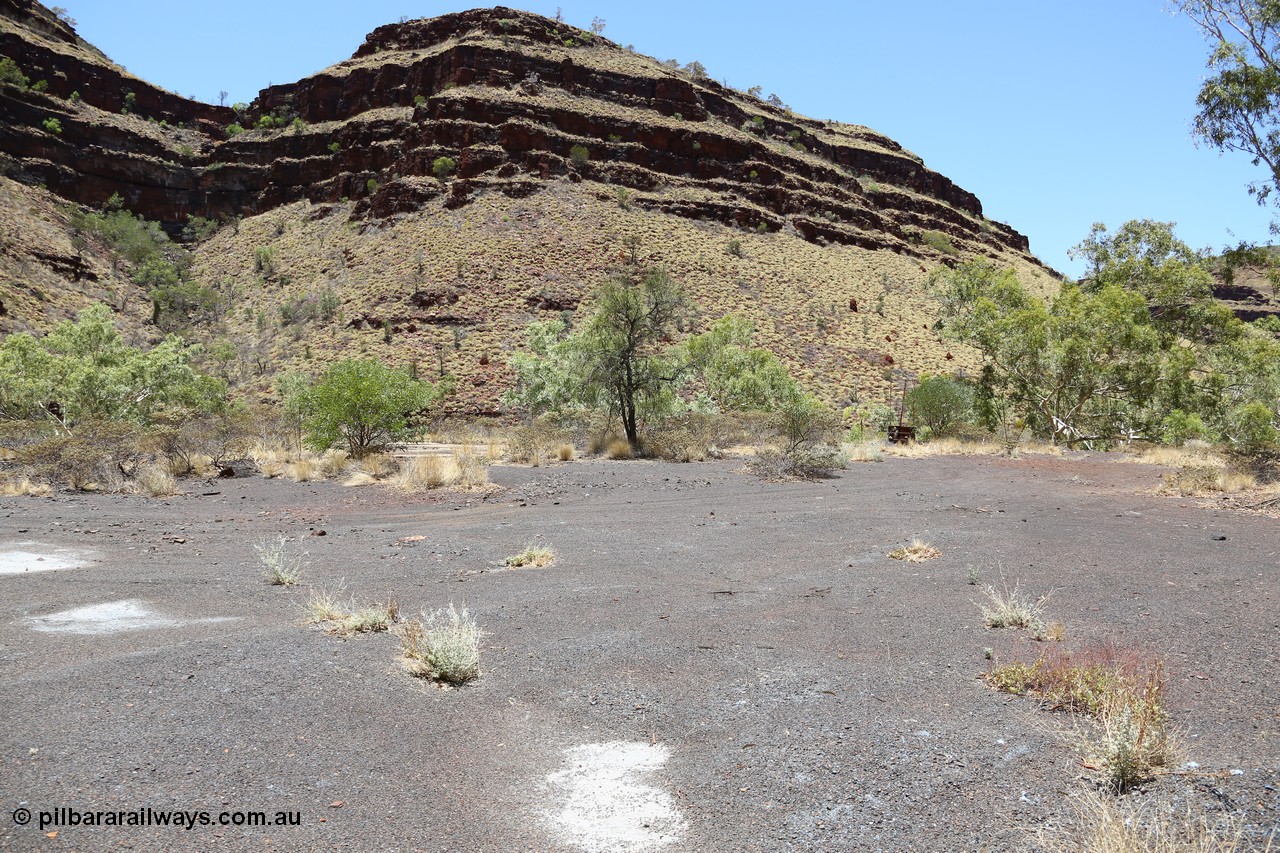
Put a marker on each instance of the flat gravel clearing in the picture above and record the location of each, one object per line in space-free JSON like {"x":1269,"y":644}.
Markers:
{"x":711,"y":663}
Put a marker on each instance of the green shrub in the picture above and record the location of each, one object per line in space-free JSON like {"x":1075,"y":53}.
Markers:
{"x":579,"y":155}
{"x":939,"y":242}
{"x":10,"y":73}
{"x":334,"y":147}
{"x":362,"y":403}
{"x":939,"y":402}
{"x":234,"y":129}
{"x":444,"y":167}
{"x":40,"y":86}
{"x":52,"y":125}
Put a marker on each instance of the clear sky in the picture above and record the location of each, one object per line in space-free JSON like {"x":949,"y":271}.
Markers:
{"x":1055,"y":113}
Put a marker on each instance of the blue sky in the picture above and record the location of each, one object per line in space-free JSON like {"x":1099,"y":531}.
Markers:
{"x":1055,"y":113}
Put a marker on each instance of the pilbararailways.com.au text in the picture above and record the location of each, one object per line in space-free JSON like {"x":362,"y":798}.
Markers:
{"x":178,"y":818}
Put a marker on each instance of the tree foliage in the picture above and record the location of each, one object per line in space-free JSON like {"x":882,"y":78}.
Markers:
{"x":1139,"y":350}
{"x":1239,"y":102}
{"x":360,"y":403}
{"x":83,"y":371}
{"x":939,"y":402}
{"x":626,"y":362}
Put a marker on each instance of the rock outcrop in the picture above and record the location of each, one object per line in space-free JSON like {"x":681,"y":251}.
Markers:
{"x":491,"y":99}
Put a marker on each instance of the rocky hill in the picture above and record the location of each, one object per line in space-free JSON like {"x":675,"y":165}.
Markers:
{"x":460,"y":176}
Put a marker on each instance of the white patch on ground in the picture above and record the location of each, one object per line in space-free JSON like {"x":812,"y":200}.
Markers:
{"x":112,"y":617}
{"x":603,"y":806}
{"x":17,"y":558}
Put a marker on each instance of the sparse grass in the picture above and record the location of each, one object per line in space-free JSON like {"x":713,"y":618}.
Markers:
{"x":960,"y":447}
{"x":916,"y":552}
{"x":1117,"y":696}
{"x":973,"y":574}
{"x":1105,"y":825}
{"x":24,"y":486}
{"x":1200,"y":479}
{"x":155,"y":481}
{"x":865,"y":451}
{"x":1008,"y":608}
{"x":325,"y":605}
{"x":423,"y":473}
{"x":537,"y":556}
{"x":282,"y":563}
{"x":445,"y":645}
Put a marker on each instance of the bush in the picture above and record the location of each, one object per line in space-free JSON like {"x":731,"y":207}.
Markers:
{"x":281,"y":563}
{"x":363,"y":403}
{"x":10,"y":73}
{"x":445,"y":645}
{"x":939,"y":242}
{"x":52,"y":125}
{"x":538,"y":556}
{"x":444,"y":167}
{"x":939,"y":402}
{"x":579,"y":155}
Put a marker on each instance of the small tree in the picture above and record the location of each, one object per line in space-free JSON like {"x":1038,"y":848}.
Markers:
{"x":444,"y":167}
{"x":362,"y":403}
{"x":939,"y":402}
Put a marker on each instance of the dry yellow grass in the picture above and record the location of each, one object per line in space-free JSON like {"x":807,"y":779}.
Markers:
{"x":565,"y":452}
{"x":1191,"y":453}
{"x":155,"y":481}
{"x":1106,"y":825}
{"x":305,"y":470}
{"x":957,"y":447}
{"x":422,"y":473}
{"x":359,"y":478}
{"x":618,"y":449}
{"x":916,"y":552}
{"x":537,"y":556}
{"x":24,"y":486}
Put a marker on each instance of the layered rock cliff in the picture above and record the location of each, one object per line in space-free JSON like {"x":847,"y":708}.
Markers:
{"x":462,"y":175}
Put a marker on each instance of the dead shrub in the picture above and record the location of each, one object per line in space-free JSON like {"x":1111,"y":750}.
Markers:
{"x":155,"y":481}
{"x":684,"y":438}
{"x":1107,"y":825}
{"x":816,"y":463}
{"x":1116,"y":695}
{"x":97,"y":456}
{"x":916,"y":552}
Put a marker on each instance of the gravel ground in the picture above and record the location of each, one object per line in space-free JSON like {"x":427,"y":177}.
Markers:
{"x":712,"y":662}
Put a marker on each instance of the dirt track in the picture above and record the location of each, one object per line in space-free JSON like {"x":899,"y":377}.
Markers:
{"x":736,"y":664}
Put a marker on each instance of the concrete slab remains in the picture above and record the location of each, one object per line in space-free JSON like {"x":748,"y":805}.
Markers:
{"x":111,"y":617}
{"x":17,"y":558}
{"x":605,"y":808}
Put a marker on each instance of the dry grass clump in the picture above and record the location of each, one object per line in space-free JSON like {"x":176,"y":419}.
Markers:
{"x":948,"y":446}
{"x":916,"y":552}
{"x":863,"y":451}
{"x":423,"y":473}
{"x":24,"y":486}
{"x":305,"y":470}
{"x":1191,"y":453}
{"x":1008,"y":608}
{"x":537,"y":556}
{"x":619,"y":448}
{"x":1200,"y":479}
{"x":1122,"y":726}
{"x":281,"y":563}
{"x":155,"y":481}
{"x":564,"y":452}
{"x":445,"y":645}
{"x":372,"y":469}
{"x":1105,"y":825}
{"x":325,"y":605}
